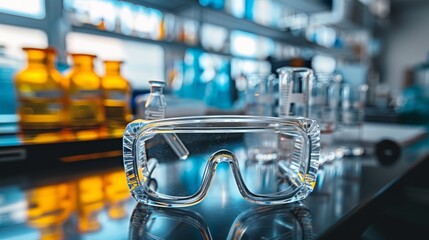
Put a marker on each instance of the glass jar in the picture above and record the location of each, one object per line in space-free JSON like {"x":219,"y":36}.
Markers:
{"x":323,"y":107}
{"x":117,"y":93}
{"x":41,"y":91}
{"x":86,"y":101}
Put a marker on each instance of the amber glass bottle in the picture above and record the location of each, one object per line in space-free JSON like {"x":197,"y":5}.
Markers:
{"x":41,"y":92}
{"x":117,"y":93}
{"x":86,"y":101}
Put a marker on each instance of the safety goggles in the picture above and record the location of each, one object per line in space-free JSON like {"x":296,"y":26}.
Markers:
{"x":273,"y":160}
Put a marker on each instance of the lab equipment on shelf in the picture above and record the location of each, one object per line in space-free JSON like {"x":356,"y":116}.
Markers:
{"x":155,"y":109}
{"x":7,"y":70}
{"x":85,"y":92}
{"x":260,"y":102}
{"x":323,"y":107}
{"x":41,"y":91}
{"x":116,"y":93}
{"x":294,"y":91}
{"x":260,"y":94}
{"x":348,"y":138}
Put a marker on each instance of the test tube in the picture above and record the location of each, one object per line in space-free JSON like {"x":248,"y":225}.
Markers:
{"x":155,"y":109}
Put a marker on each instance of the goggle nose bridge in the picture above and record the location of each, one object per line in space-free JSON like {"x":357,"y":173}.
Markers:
{"x":223,"y":155}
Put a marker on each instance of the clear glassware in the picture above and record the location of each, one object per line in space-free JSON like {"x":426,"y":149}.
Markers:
{"x":156,"y":177}
{"x":155,"y":104}
{"x":155,"y":109}
{"x":323,"y":107}
{"x":294,"y":91}
{"x":348,"y":138}
{"x":259,"y":94}
{"x":260,"y":102}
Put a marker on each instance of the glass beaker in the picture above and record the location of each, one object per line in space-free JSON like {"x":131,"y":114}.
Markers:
{"x":117,"y":93}
{"x":86,"y":100}
{"x":294,"y":91}
{"x":323,"y":106}
{"x":351,"y":114}
{"x":260,"y":102}
{"x":260,"y":94}
{"x":41,"y":91}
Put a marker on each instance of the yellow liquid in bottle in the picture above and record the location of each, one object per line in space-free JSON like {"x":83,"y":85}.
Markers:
{"x":41,"y":92}
{"x":86,"y":101}
{"x":115,"y":111}
{"x":116,"y":91}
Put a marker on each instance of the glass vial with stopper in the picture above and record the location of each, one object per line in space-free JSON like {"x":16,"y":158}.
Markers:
{"x":155,"y":109}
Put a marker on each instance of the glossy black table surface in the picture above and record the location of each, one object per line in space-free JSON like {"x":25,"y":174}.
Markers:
{"x":93,"y":202}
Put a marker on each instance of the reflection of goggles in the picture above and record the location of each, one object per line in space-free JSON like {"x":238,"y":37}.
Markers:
{"x":291,"y":222}
{"x":157,"y":176}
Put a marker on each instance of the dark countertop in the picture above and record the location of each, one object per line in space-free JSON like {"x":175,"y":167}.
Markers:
{"x":91,"y":201}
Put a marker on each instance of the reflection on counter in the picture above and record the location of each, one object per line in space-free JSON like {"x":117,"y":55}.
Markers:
{"x":293,"y":221}
{"x":81,"y":207}
{"x":336,"y":192}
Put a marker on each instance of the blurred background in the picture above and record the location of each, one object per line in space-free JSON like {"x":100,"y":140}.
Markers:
{"x":202,"y":48}
{"x":73,"y":73}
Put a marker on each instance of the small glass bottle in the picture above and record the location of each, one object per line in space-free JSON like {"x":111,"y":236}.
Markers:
{"x":117,"y":93}
{"x":155,"y":109}
{"x":41,"y":91}
{"x":86,"y":101}
{"x":155,"y":104}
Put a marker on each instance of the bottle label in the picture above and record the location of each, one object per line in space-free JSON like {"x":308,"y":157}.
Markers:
{"x":42,"y":94}
{"x":40,"y":107}
{"x":116,"y":95}
{"x":86,"y":94}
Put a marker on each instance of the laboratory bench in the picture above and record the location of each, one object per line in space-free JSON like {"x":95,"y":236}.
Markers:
{"x":79,"y":191}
